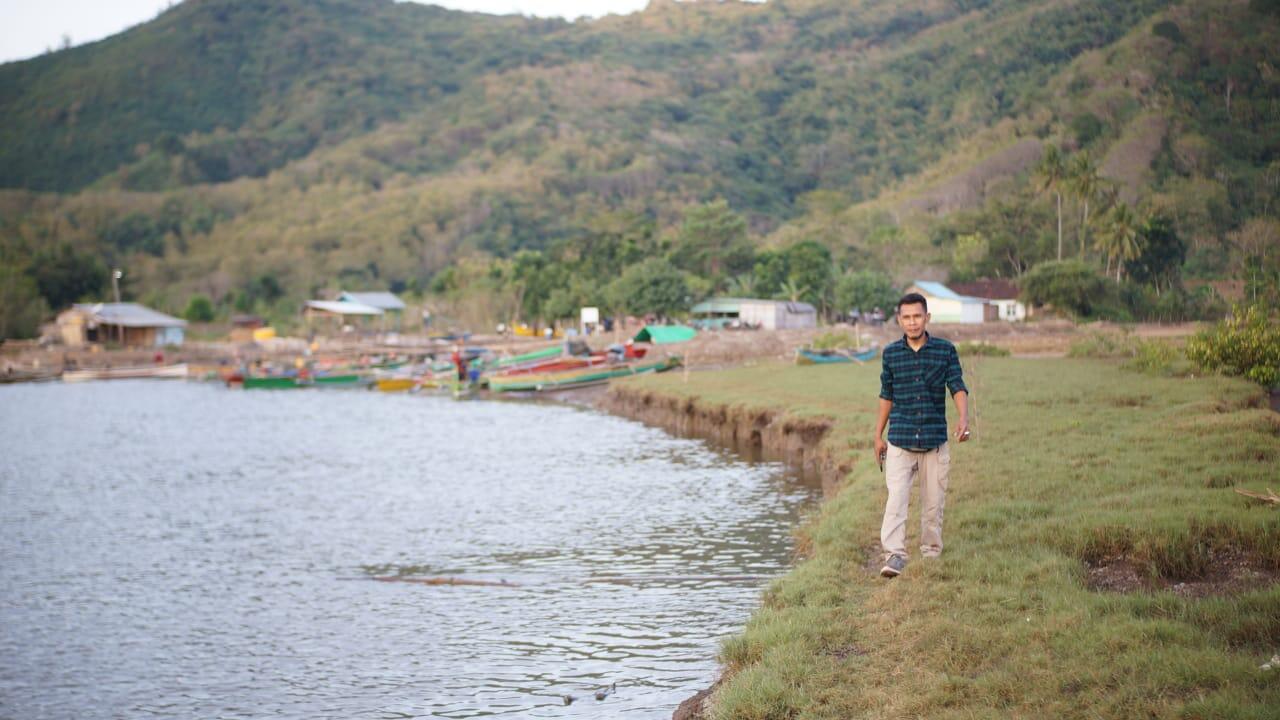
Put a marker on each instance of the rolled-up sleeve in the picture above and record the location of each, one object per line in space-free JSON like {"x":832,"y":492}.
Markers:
{"x":955,"y":376}
{"x":886,"y":378}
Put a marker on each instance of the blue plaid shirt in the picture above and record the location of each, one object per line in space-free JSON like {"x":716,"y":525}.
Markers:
{"x":913,"y":380}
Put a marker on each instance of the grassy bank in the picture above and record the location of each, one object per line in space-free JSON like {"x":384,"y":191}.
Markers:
{"x":1097,"y":562}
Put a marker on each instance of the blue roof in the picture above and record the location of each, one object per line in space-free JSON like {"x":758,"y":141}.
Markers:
{"x":129,"y":315}
{"x":937,"y":289}
{"x":381,"y":299}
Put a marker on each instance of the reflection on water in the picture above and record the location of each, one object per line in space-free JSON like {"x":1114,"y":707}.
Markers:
{"x":182,"y":550}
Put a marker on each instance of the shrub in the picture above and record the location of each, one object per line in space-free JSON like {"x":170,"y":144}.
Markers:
{"x":1070,"y":286}
{"x":833,"y":340}
{"x":1247,"y":343}
{"x":1158,"y":358}
{"x":199,"y":309}
{"x":1104,"y":345}
{"x":984,"y":349}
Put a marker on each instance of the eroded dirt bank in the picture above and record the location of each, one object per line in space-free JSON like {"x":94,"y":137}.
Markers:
{"x":757,"y":434}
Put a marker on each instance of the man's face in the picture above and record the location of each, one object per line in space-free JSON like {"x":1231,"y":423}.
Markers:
{"x":912,"y":319}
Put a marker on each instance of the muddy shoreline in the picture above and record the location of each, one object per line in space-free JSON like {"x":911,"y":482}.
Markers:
{"x":755,"y":434}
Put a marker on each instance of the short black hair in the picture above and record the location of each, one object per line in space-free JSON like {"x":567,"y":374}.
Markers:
{"x":912,"y":299}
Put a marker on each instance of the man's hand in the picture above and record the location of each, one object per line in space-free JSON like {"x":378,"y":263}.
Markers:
{"x":962,"y":430}
{"x":881,"y":448}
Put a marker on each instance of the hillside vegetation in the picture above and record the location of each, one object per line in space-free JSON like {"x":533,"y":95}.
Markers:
{"x":257,"y":153}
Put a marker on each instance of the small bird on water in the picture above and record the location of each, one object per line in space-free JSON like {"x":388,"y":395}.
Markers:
{"x":603,"y":693}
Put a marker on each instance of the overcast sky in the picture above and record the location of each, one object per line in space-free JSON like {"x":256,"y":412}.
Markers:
{"x":29,"y":27}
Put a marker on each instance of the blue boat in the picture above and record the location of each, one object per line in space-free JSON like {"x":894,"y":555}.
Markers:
{"x":806,"y":356}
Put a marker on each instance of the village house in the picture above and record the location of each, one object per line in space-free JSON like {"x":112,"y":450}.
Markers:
{"x":949,"y":306}
{"x":999,"y":293}
{"x":129,"y":324}
{"x":753,"y":313}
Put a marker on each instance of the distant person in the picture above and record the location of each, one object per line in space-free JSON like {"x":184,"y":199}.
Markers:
{"x":917,"y":368}
{"x":459,"y":363}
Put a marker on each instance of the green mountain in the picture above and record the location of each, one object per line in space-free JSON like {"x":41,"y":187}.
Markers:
{"x":258,"y":152}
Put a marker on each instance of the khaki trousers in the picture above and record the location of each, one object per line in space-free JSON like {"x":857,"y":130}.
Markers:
{"x":901,"y":467}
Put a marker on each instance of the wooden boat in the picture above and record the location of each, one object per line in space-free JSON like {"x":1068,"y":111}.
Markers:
{"x":526,"y":358}
{"x":395,"y":384}
{"x":341,"y":380}
{"x":270,"y":382}
{"x":127,"y":373}
{"x":578,"y":378}
{"x":555,"y":365}
{"x":805,"y":356}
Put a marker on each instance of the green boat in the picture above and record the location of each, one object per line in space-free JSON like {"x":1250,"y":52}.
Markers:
{"x":348,"y":380}
{"x":570,"y":380}
{"x":270,"y":382}
{"x":521,"y":359}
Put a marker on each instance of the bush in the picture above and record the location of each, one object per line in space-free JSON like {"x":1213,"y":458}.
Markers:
{"x":22,"y":309}
{"x":1070,"y":286}
{"x":199,"y":309}
{"x":1104,"y":345}
{"x":983,"y":349}
{"x":833,"y":341}
{"x":1247,"y":343}
{"x":865,"y":290}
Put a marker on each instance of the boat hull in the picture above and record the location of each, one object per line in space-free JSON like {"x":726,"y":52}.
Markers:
{"x":126,"y":373}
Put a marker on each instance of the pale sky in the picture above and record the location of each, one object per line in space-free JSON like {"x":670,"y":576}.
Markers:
{"x":29,"y":27}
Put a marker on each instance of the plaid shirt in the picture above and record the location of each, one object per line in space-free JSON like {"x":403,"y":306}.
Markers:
{"x":913,"y":380}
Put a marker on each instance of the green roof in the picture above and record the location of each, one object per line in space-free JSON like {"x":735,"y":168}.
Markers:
{"x":661,"y":334}
{"x":718,"y":305}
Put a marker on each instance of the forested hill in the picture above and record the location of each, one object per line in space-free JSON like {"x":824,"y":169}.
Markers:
{"x":260,"y":151}
{"x":808,"y":93}
{"x":238,"y":87}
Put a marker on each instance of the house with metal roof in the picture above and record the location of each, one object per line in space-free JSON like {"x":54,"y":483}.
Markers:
{"x":129,"y":324}
{"x":754,"y":313}
{"x":384,"y":301}
{"x":391,"y":306}
{"x":948,"y":306}
{"x":999,"y":292}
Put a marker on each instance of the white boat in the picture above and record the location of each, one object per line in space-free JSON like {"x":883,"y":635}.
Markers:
{"x":123,"y":373}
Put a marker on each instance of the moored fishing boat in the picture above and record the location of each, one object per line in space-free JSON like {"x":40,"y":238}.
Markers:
{"x":806,"y":356}
{"x":269,"y":382}
{"x":579,"y":378}
{"x":346,"y":380}
{"x":127,"y":373}
{"x":395,"y":384}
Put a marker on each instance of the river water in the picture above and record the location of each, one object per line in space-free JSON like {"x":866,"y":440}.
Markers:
{"x":181,"y":550}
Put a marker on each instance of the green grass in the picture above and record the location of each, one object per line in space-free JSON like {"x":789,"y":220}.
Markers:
{"x":1073,"y":460}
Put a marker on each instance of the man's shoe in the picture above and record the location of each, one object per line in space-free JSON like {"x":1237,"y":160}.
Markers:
{"x":894,"y":566}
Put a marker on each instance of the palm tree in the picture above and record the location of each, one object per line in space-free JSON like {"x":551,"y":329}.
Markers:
{"x":1120,"y":239}
{"x":1053,"y":171}
{"x":743,"y":286}
{"x":792,"y":291}
{"x":1083,"y":181}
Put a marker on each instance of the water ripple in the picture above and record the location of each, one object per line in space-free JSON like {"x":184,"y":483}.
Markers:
{"x":179,"y":550}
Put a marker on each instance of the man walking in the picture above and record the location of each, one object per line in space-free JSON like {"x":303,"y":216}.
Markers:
{"x":917,"y":368}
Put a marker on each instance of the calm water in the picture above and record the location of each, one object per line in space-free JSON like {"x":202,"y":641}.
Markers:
{"x":181,"y":550}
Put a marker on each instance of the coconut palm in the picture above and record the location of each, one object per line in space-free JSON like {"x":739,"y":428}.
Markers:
{"x":1052,"y":171}
{"x":792,"y":291}
{"x":743,"y":286}
{"x":1120,"y":239}
{"x":1084,"y":183}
